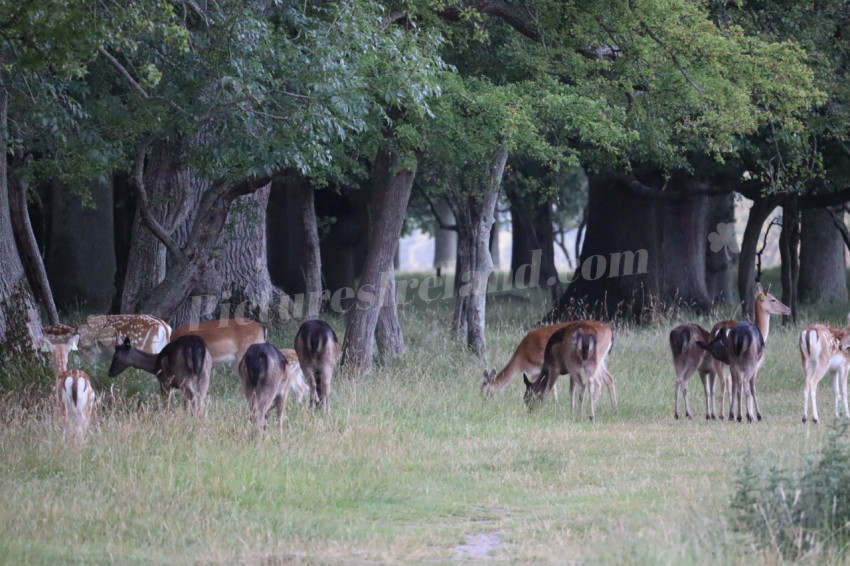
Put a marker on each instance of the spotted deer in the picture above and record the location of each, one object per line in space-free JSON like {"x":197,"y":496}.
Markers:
{"x":100,"y":334}
{"x":264,"y":372}
{"x":822,"y":352}
{"x":527,"y":358}
{"x":73,"y":395}
{"x":297,"y":384}
{"x":579,"y":349}
{"x":317,"y":348}
{"x":182,"y":364}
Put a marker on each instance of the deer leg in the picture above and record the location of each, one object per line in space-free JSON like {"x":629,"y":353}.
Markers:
{"x":755,"y":396}
{"x":593,"y":386}
{"x":707,"y":386}
{"x":608,"y":379}
{"x":676,"y":398}
{"x":843,"y":376}
{"x":581,"y":387}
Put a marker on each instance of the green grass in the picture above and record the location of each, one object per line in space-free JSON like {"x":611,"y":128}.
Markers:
{"x":412,"y":465}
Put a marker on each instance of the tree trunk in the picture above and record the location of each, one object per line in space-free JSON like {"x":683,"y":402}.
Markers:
{"x":28,"y":248}
{"x":533,"y":243}
{"x":391,"y":189}
{"x":474,"y":262}
{"x":312,"y":251}
{"x":822,"y":269}
{"x":166,"y":181}
{"x":789,"y":239}
{"x":760,"y":210}
{"x":643,"y":250}
{"x":20,"y":325}
{"x":445,"y":241}
{"x":720,"y":265}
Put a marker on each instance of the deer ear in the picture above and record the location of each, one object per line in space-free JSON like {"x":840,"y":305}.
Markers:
{"x":44,"y":347}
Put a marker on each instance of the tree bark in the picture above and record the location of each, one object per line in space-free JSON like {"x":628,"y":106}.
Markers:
{"x":760,"y":210}
{"x":720,"y":265}
{"x":475,"y":218}
{"x":822,"y":268}
{"x":445,"y":241}
{"x":20,"y":325}
{"x":640,"y":253}
{"x":789,"y":239}
{"x":533,"y":242}
{"x":28,"y":248}
{"x":391,"y":189}
{"x":312,"y":251}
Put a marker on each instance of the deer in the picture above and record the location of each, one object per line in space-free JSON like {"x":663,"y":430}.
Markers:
{"x":317,"y":348}
{"x":264,"y":372}
{"x":73,"y":395}
{"x":101,"y":333}
{"x":688,"y":343}
{"x":579,"y":349}
{"x":182,"y":364}
{"x":527,"y":358}
{"x":297,"y":384}
{"x":745,"y":349}
{"x":227,"y":339}
{"x":822,"y":352}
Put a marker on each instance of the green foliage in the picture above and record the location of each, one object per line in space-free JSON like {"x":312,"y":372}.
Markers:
{"x":795,"y":512}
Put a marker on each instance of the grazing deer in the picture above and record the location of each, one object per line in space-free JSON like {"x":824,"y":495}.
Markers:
{"x":100,"y":334}
{"x":580,"y":349}
{"x":264,"y":374}
{"x":296,"y":377}
{"x":745,"y":348}
{"x":688,"y":343}
{"x":227,"y":339}
{"x":527,"y":358}
{"x":317,"y":348}
{"x":73,"y":395}
{"x":183,"y":364}
{"x":821,"y":351}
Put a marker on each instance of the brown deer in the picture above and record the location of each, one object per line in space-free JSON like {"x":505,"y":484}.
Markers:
{"x":745,"y":348}
{"x":579,"y":349}
{"x":73,"y":395}
{"x":227,"y":339}
{"x":821,"y":352}
{"x":183,"y":364}
{"x":317,"y":348}
{"x":688,"y":343}
{"x":264,"y":374}
{"x":527,"y":358}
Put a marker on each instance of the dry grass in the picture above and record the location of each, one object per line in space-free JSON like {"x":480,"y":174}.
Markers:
{"x":412,"y":465}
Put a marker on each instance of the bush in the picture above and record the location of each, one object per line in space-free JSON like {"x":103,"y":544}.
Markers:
{"x":795,"y":513}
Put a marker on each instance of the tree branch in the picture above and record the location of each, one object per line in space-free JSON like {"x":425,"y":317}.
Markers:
{"x":440,"y":223}
{"x":126,"y":74}
{"x":144,"y":205}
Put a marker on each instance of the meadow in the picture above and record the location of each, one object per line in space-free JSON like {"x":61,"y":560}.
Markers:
{"x":411,"y":466}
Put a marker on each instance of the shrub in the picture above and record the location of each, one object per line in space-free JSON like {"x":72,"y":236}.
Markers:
{"x":798,"y":512}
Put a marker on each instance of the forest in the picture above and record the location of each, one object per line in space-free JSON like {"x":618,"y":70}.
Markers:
{"x":172,"y":151}
{"x":195,"y":160}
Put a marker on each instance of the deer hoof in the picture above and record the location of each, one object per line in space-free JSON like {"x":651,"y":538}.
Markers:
{"x":758,"y":416}
{"x":815,"y":421}
{"x":739,"y":418}
{"x":805,"y":419}
{"x":676,"y":416}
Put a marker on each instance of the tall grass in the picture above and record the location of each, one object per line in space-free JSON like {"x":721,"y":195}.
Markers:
{"x":412,"y":464}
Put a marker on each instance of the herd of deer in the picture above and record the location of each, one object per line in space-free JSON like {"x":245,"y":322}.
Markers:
{"x":182,"y":360}
{"x":580,"y":349}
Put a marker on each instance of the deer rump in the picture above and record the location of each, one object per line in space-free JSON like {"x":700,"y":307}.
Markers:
{"x":263,"y":371}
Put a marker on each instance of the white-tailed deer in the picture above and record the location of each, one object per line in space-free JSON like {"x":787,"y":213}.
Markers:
{"x":821,"y":352}
{"x":579,"y":349}
{"x":745,"y":348}
{"x":73,"y":395}
{"x":227,"y":339}
{"x":264,"y":374}
{"x":100,"y":334}
{"x":527,"y":358}
{"x":296,"y":377}
{"x":183,"y":364}
{"x":317,"y":348}
{"x":688,"y":344}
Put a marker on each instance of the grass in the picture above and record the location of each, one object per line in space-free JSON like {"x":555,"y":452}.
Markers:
{"x":411,"y":466}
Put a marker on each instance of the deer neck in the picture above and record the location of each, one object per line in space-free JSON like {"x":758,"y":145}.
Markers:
{"x":142,"y":360}
{"x":762,"y":320}
{"x":59,"y":362}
